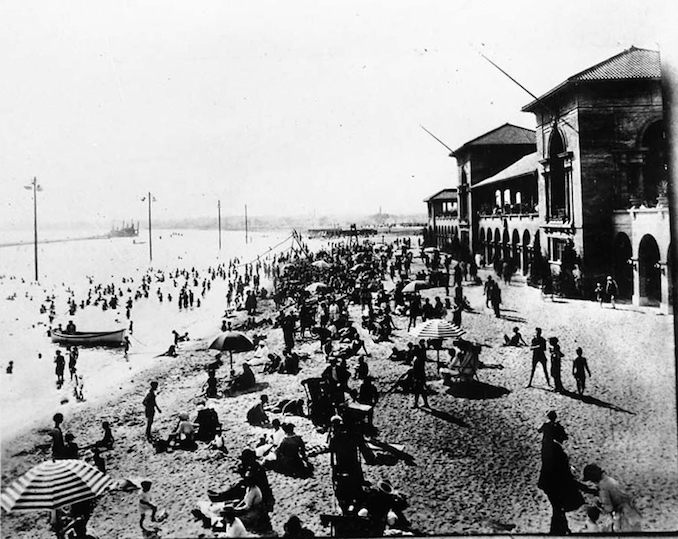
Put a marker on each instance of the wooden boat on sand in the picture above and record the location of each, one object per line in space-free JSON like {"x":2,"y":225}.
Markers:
{"x":89,"y":338}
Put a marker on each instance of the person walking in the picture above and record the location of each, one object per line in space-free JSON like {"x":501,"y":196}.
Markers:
{"x":611,"y":290}
{"x":419,"y":377}
{"x":495,"y":299}
{"x":556,"y":362}
{"x":486,"y":290}
{"x":538,"y":347}
{"x":555,"y":476}
{"x":150,"y":406}
{"x":580,"y":368}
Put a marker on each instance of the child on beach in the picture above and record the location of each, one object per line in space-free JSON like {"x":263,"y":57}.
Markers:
{"x":516,"y":339}
{"x":599,"y":293}
{"x":146,"y":506}
{"x":580,"y":368}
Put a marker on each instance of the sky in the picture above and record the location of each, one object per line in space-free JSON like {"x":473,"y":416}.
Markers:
{"x":293,"y":108}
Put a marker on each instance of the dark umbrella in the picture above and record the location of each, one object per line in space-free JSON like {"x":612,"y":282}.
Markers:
{"x":232,"y":341}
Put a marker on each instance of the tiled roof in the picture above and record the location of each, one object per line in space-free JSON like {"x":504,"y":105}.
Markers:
{"x":630,"y":64}
{"x":506,"y":134}
{"x":444,"y":194}
{"x":524,"y":165}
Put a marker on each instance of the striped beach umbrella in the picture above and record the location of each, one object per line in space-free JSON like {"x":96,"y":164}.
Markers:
{"x":55,"y":484}
{"x":437,"y":328}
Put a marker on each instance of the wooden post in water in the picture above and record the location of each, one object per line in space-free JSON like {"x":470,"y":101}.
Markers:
{"x":150,"y":229}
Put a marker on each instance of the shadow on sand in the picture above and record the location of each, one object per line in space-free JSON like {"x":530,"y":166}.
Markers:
{"x":588,"y":399}
{"x":445,"y":416}
{"x":476,"y":390}
{"x":510,"y":318}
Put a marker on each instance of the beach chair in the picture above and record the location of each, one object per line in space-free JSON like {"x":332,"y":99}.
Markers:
{"x":464,"y":367}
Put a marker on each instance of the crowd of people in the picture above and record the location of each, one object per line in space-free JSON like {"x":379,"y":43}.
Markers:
{"x":312,"y":300}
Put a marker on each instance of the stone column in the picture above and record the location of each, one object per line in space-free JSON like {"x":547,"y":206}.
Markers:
{"x":636,"y":282}
{"x":664,"y":307}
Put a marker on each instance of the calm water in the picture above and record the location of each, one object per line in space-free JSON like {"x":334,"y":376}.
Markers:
{"x":29,"y":395}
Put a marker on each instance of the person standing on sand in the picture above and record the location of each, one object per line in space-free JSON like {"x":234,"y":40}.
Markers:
{"x":73,"y":354}
{"x":419,"y":378}
{"x":538,"y":348}
{"x":580,"y":367}
{"x":57,"y":437}
{"x":125,"y":347}
{"x":555,"y":477}
{"x":150,"y":406}
{"x":60,"y":363}
{"x":611,"y":290}
{"x":556,"y":362}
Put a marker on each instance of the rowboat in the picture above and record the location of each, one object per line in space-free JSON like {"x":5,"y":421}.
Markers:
{"x":89,"y":338}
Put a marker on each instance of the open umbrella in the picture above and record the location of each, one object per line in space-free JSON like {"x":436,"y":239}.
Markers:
{"x":317,"y":288}
{"x":232,"y":341}
{"x":437,"y":329}
{"x":54,"y":484}
{"x":321,"y":264}
{"x":413,"y":286}
{"x":431,"y":250}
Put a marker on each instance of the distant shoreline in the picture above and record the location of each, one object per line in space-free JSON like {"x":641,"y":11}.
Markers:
{"x":61,"y":240}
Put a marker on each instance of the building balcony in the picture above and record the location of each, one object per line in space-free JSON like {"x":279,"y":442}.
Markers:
{"x":449,"y":215}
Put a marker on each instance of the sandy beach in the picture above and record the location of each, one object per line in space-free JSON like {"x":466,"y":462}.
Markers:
{"x":476,"y":456}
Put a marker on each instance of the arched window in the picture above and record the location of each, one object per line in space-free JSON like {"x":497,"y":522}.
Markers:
{"x":507,"y":197}
{"x":497,"y":198}
{"x":557,"y":185}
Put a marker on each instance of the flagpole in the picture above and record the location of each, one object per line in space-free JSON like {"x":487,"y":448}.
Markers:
{"x":245,"y":223}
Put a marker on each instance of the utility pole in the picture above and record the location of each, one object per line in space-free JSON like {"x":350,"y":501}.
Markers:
{"x":35,"y":187}
{"x":150,"y":229}
{"x":219,"y":220}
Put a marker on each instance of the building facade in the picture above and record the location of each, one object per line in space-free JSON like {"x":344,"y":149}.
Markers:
{"x":591,"y":200}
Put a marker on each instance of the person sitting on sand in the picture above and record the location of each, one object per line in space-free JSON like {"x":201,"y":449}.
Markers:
{"x":256,"y":416}
{"x":398,"y":355}
{"x":184,"y":435}
{"x":171,"y":352}
{"x":291,"y":455}
{"x":290,"y":362}
{"x":232,"y":525}
{"x":251,"y":509}
{"x":273,"y":364}
{"x":107,"y":441}
{"x":294,"y":529}
{"x":207,"y":421}
{"x":71,"y":449}
{"x":516,"y":339}
{"x":243,"y":381}
{"x":211,"y":386}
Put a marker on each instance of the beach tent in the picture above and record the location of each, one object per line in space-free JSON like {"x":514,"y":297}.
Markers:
{"x":414,"y":286}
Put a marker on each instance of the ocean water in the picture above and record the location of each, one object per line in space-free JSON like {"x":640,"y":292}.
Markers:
{"x":29,"y":396}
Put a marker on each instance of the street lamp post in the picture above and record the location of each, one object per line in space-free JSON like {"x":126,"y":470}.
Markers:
{"x":35,"y":188}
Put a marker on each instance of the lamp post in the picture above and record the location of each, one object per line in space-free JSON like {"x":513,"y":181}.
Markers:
{"x":150,"y":199}
{"x":35,"y":187}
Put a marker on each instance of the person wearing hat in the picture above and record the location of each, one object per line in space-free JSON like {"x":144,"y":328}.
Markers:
{"x":555,"y":477}
{"x":256,"y":415}
{"x":207,"y":421}
{"x":614,"y":500}
{"x":294,"y":529}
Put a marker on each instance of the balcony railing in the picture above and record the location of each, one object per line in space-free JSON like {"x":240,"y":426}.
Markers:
{"x":508,"y":210}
